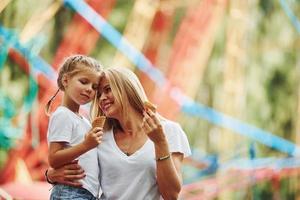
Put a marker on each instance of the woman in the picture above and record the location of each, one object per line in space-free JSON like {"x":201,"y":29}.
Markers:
{"x":141,"y":153}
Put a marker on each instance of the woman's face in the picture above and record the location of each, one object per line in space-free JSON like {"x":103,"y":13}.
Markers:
{"x":107,"y":103}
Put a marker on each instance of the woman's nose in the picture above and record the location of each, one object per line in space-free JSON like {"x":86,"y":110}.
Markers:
{"x":102,"y":97}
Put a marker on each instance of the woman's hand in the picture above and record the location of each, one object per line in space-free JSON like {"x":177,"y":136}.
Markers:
{"x":69,"y":174}
{"x":152,"y":127}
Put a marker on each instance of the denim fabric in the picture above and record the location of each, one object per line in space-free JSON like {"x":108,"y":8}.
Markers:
{"x":65,"y":192}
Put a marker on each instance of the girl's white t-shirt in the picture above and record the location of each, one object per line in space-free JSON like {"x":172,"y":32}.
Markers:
{"x":134,"y":177}
{"x":66,"y":126}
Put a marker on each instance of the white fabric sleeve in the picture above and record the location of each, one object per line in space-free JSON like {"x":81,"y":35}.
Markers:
{"x":60,"y":128}
{"x":177,"y":139}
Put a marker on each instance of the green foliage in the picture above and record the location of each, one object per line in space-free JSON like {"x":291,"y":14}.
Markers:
{"x":104,"y":50}
{"x":263,"y":191}
{"x":267,"y":7}
{"x":3,"y":157}
{"x":60,"y":23}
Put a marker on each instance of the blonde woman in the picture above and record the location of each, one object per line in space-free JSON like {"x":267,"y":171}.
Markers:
{"x":141,"y":152}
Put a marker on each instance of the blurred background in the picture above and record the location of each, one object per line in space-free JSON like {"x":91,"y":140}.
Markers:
{"x":226,"y":70}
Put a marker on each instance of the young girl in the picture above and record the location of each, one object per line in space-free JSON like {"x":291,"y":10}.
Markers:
{"x":69,"y":134}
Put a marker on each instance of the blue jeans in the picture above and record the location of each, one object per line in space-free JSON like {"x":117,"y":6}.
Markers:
{"x":65,"y":192}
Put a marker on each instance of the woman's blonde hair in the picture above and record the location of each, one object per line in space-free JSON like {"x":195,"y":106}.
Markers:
{"x":126,"y":88}
{"x":71,"y":66}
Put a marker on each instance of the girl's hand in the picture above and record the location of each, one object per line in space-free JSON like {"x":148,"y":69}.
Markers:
{"x":69,"y":174}
{"x":93,"y":138}
{"x":152,"y":127}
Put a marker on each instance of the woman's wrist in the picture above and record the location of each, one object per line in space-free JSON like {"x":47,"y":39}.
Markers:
{"x":161,"y":144}
{"x":162,"y":150}
{"x":163,"y":157}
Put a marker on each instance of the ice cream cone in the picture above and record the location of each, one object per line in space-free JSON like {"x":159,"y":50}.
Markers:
{"x":150,"y":106}
{"x":99,"y":122}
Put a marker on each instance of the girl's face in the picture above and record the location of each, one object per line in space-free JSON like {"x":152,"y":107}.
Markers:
{"x":81,"y":87}
{"x":107,"y":102}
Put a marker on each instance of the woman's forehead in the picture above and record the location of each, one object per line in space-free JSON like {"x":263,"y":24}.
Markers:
{"x":103,"y":81}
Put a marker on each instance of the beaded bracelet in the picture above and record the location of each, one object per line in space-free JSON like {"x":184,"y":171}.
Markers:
{"x":163,"y":158}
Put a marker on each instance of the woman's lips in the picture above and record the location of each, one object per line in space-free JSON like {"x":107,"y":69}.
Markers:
{"x":106,"y":106}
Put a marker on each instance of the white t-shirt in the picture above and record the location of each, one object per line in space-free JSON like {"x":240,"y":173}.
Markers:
{"x":66,"y":126}
{"x":134,"y":177}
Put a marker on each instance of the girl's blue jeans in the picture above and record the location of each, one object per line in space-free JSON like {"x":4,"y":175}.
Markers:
{"x":65,"y":192}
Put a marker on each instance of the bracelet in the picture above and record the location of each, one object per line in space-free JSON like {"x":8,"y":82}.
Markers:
{"x":47,"y":179}
{"x":163,"y":158}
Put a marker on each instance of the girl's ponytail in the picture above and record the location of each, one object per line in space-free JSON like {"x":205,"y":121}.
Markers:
{"x":47,"y":108}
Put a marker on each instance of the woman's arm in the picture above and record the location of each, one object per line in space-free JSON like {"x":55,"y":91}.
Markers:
{"x":60,"y":155}
{"x":168,"y":171}
{"x":168,"y":167}
{"x":69,"y":174}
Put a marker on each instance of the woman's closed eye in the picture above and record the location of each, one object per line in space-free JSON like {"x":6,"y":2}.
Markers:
{"x":106,"y":89}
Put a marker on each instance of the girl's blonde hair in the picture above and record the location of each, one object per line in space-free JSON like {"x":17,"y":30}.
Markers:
{"x":71,"y":66}
{"x":126,"y":88}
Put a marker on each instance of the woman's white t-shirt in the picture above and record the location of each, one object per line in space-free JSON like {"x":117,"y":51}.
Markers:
{"x":66,"y":126}
{"x":134,"y":177}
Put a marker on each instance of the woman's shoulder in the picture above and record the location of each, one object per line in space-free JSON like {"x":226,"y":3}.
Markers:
{"x":166,"y":123}
{"x":172,"y":129}
{"x":176,"y":137}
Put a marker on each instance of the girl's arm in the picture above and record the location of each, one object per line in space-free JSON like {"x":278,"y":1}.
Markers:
{"x":60,"y":154}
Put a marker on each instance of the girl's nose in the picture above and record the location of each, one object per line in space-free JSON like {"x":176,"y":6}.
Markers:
{"x":89,"y":89}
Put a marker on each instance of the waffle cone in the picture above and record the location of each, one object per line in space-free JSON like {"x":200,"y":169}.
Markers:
{"x":99,"y":122}
{"x":150,"y":106}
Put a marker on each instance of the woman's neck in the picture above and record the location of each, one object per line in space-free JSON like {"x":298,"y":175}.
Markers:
{"x":132,"y":123}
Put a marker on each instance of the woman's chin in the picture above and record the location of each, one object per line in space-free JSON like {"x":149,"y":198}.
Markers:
{"x":106,"y":113}
{"x":110,"y":114}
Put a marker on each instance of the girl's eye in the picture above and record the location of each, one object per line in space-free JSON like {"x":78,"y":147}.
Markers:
{"x":83,"y":81}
